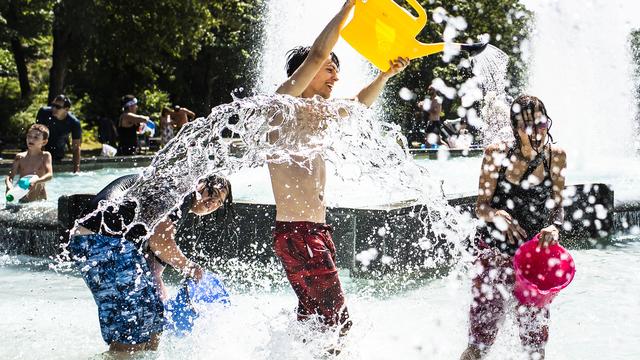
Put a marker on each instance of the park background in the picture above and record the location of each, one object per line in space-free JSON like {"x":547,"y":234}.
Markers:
{"x":197,"y":53}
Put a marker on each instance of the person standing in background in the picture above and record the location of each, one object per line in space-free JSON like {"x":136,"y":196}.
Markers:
{"x":432,"y":108}
{"x":181,"y":116}
{"x":128,"y":124}
{"x":61,"y":123}
{"x":167,"y":125}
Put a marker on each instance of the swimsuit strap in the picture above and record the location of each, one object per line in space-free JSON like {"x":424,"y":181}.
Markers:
{"x":503,"y":167}
{"x":533,"y":165}
{"x":547,"y":164}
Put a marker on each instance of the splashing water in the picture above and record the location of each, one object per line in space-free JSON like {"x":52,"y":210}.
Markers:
{"x":490,"y":66}
{"x":358,"y":148}
{"x":488,"y":85}
{"x":362,"y":151}
{"x":490,"y":69}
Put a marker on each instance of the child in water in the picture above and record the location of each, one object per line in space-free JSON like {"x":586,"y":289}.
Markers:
{"x":519,"y":196}
{"x":34,"y":161}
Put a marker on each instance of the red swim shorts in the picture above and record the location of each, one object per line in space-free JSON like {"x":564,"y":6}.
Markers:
{"x":308,"y":255}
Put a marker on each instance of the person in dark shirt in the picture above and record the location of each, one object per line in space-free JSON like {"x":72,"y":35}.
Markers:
{"x":107,"y":132}
{"x":122,"y":262}
{"x":128,"y":124}
{"x":61,"y":123}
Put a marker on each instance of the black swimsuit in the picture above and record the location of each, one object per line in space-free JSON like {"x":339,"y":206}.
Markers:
{"x":128,"y":139}
{"x":525,"y":203}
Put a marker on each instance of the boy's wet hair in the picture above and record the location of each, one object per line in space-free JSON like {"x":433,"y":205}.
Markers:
{"x":43,"y":129}
{"x":297,"y":55}
{"x":530,"y":104}
{"x":65,"y":100}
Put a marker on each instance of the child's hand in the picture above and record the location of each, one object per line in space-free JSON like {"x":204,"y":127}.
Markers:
{"x":194,"y":271}
{"x":549,"y":236}
{"x":396,"y":66}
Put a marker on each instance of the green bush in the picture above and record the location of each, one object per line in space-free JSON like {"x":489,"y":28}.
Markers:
{"x":17,"y":125}
{"x":152,"y":101}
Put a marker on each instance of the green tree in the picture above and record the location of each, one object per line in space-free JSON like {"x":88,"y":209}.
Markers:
{"x":225,"y":62}
{"x":118,"y":47}
{"x":634,"y":42}
{"x":197,"y":50}
{"x":507,"y":22}
{"x":71,"y":27}
{"x":22,"y":24}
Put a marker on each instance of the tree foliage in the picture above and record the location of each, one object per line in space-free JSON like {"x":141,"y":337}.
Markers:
{"x":634,"y":42}
{"x":507,"y":22}
{"x":188,"y":49}
{"x":194,"y":53}
{"x":23,"y":24}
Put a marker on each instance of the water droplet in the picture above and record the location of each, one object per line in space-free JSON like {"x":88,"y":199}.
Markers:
{"x":406,"y":94}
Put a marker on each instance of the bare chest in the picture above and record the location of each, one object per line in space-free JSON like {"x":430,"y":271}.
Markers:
{"x":31,"y":166}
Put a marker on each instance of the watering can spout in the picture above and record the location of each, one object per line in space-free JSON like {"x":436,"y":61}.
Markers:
{"x":421,"y":49}
{"x":474,"y":49}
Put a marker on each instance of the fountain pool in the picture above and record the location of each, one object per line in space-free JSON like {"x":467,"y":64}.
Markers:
{"x":49,"y":315}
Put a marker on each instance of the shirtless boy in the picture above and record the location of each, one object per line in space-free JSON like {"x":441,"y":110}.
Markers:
{"x":34,"y":161}
{"x":302,"y":239}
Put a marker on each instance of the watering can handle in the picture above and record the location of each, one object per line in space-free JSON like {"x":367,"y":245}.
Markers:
{"x":422,"y":14}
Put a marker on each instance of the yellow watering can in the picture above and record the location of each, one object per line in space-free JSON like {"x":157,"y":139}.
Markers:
{"x":382,"y":30}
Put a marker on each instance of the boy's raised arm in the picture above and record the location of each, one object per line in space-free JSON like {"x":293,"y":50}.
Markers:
{"x":370,"y":93}
{"x":320,"y":50}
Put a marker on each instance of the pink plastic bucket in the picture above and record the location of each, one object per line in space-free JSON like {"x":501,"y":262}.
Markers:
{"x":541,"y":272}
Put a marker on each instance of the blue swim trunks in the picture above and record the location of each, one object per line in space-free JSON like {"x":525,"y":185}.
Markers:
{"x":116,"y":272}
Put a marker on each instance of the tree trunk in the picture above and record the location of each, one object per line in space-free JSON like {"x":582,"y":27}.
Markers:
{"x":11,"y":17}
{"x":60,"y":55}
{"x":21,"y":65}
{"x":58,"y":71}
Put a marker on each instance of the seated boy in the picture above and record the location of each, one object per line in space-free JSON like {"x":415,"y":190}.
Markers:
{"x":34,"y":161}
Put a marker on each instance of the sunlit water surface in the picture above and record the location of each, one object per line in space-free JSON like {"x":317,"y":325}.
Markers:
{"x":46,"y":315}
{"x":459,"y":176}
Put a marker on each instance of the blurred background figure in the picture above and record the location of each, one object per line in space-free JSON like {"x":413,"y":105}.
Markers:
{"x":431,"y":109}
{"x":167,"y":126}
{"x":128,"y":125}
{"x":181,"y":116}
